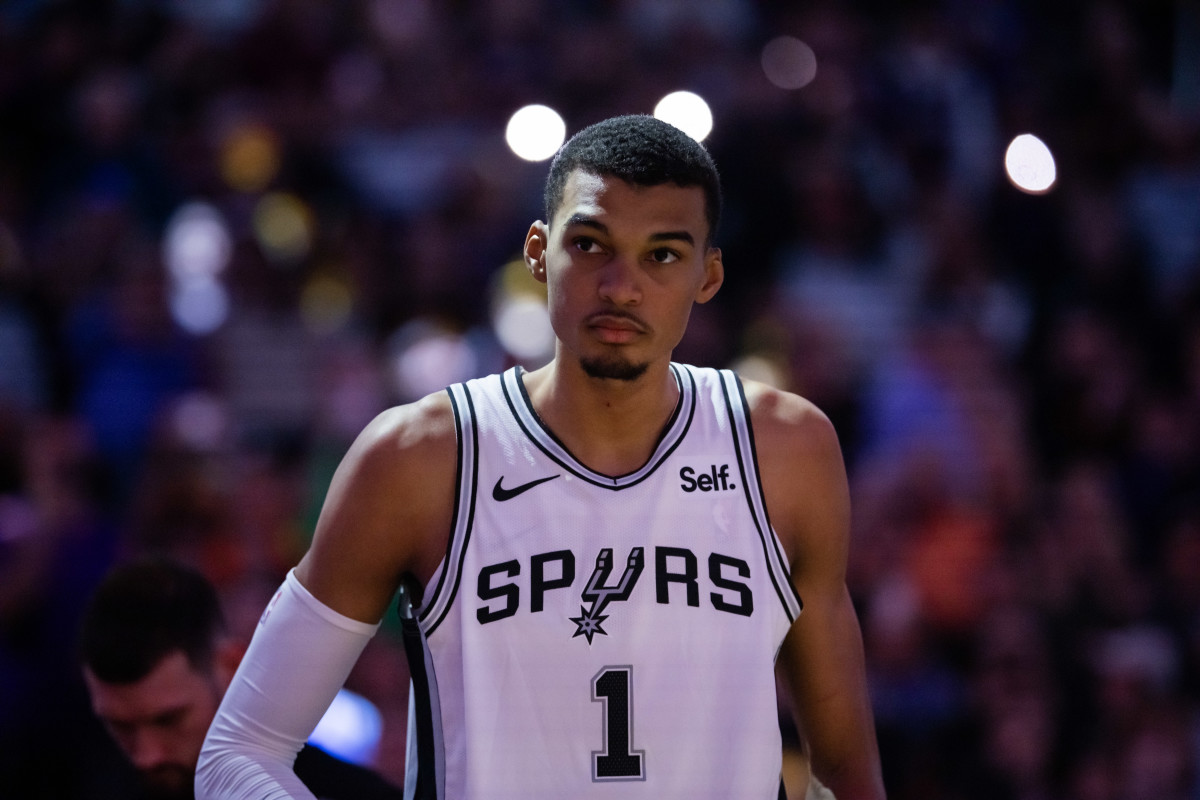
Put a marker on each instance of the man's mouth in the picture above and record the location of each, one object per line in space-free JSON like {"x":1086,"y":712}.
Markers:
{"x":615,"y":328}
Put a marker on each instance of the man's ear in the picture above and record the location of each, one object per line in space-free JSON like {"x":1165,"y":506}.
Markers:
{"x":714,"y":275}
{"x":536,"y":243}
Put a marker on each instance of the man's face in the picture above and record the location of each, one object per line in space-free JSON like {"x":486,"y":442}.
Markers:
{"x":160,"y":721}
{"x":623,"y":265}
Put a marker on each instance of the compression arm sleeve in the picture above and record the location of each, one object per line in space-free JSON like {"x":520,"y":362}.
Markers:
{"x":298,"y":659}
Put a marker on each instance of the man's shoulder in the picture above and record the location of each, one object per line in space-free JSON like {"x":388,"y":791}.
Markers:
{"x":426,"y":421}
{"x":414,"y":428}
{"x":330,"y":778}
{"x":403,"y":461}
{"x":781,"y":419}
{"x":804,"y":476}
{"x":777,"y":412}
{"x":795,"y":442}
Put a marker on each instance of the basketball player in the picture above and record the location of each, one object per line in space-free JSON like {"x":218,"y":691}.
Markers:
{"x":156,"y":662}
{"x":602,"y":559}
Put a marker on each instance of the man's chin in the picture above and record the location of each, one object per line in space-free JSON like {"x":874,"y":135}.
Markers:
{"x":615,"y":369}
{"x":169,"y":783}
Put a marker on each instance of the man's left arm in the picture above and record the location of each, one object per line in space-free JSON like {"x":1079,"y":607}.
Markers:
{"x":822,"y":661}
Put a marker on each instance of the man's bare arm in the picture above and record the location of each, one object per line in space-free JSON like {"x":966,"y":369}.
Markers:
{"x":386,"y":516}
{"x":388,"y":510}
{"x":805,"y":483}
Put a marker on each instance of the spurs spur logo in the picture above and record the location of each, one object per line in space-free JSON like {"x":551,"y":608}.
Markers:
{"x":599,"y":594}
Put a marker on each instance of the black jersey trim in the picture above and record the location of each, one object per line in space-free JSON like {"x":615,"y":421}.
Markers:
{"x":467,"y":479}
{"x":762,"y":497}
{"x":672,"y":435}
{"x":422,"y":695}
{"x":755,"y":497}
{"x":458,"y":472}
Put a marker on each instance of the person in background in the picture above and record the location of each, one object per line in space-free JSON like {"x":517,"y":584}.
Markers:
{"x":156,"y":661}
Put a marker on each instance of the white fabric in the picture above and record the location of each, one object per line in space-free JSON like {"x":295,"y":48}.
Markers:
{"x":594,"y":636}
{"x":301,"y":654}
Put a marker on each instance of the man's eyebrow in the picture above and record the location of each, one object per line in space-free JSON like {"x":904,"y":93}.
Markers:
{"x":586,"y":221}
{"x":662,"y":236}
{"x":673,"y":236}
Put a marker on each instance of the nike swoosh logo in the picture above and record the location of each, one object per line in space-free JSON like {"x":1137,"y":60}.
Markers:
{"x":500,"y":494}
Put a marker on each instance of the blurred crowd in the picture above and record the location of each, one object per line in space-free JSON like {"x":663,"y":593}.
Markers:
{"x":1015,"y":377}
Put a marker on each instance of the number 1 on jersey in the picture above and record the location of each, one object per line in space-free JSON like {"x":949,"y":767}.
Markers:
{"x":618,"y":761}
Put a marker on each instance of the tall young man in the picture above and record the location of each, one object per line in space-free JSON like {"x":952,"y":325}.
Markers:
{"x":602,"y":559}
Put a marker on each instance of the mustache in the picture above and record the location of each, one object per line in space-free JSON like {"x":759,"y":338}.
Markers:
{"x":612,"y":314}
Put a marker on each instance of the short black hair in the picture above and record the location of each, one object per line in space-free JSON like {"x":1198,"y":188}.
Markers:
{"x":641,"y":150}
{"x":142,"y":612}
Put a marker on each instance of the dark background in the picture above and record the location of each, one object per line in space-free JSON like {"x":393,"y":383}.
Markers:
{"x":1015,"y":378}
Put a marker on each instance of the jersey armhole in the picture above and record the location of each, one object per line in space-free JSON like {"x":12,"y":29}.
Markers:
{"x":446,"y":577}
{"x":743,"y":441}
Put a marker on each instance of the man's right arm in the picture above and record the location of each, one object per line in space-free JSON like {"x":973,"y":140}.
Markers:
{"x":386,"y":516}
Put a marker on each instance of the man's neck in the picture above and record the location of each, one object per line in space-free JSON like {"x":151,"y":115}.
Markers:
{"x":610,"y":425}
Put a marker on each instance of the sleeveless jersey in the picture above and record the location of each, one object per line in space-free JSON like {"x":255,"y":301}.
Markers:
{"x":589,"y":636}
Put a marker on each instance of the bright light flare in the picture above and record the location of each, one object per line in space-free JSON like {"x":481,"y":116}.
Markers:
{"x":350,"y":729}
{"x":687,"y":111}
{"x":250,"y":157}
{"x":283,"y":226}
{"x":197,"y":244}
{"x":522,"y":325}
{"x":199,"y":305}
{"x":789,"y":63}
{"x":426,"y":357}
{"x":762,"y":369}
{"x":1030,"y":165}
{"x":535,"y":132}
{"x":520,"y":320}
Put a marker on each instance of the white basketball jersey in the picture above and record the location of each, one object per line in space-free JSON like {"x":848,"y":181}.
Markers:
{"x":589,"y":636}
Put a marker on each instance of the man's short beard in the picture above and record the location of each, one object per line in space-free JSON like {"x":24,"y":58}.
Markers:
{"x":169,"y":782}
{"x":617,"y":369}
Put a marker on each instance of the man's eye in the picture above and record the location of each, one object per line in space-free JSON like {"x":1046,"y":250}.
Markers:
{"x":664,"y":256}
{"x":585,"y":244}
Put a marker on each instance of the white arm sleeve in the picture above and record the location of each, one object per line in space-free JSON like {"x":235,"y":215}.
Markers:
{"x":301,"y":654}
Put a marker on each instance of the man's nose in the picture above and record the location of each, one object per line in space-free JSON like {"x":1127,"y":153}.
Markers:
{"x":148,"y":749}
{"x":620,"y":281}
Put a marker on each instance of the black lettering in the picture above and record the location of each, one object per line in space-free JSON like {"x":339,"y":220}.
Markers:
{"x":538,"y":585}
{"x":706,"y":484}
{"x":509,"y":591}
{"x":664,"y":578}
{"x":689,"y":483}
{"x":745,"y":605}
